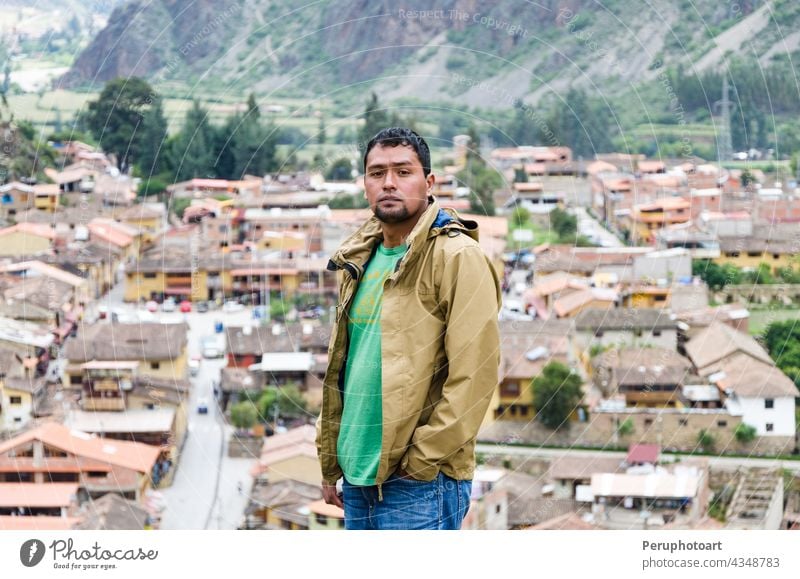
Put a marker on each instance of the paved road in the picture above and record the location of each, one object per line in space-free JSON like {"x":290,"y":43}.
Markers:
{"x":206,"y":490}
{"x":591,"y":228}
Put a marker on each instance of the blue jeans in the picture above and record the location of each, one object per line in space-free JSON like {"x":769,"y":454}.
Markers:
{"x":407,"y":504}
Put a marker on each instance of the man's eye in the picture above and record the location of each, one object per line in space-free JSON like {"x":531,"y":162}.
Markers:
{"x":375,"y":174}
{"x":404,"y":172}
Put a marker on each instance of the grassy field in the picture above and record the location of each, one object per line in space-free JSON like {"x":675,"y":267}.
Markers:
{"x":47,"y":109}
{"x":760,"y":319}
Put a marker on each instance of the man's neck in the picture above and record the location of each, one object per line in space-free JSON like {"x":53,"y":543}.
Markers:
{"x":395,"y":234}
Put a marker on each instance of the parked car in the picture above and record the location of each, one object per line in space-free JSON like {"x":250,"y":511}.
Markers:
{"x":151,"y":306}
{"x":213,"y":346}
{"x":202,"y":406}
{"x":202,"y":307}
{"x":232,"y":306}
{"x":194,"y":366}
{"x":169,"y":305}
{"x":186,"y":306}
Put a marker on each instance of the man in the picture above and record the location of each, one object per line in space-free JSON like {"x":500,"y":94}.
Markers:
{"x":414,"y":351}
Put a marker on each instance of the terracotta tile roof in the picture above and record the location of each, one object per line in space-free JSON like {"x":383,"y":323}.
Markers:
{"x":639,"y":453}
{"x":143,"y":341}
{"x":38,"y":229}
{"x":38,"y":495}
{"x":37,"y":523}
{"x":131,"y":455}
{"x":752,"y":378}
{"x":718,"y":341}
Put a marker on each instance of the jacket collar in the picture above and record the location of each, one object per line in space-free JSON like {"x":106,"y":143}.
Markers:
{"x":358,"y":247}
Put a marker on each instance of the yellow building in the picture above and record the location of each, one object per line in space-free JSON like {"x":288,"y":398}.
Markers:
{"x":647,"y":219}
{"x":159,"y":349}
{"x":749,"y":252}
{"x":647,"y":297}
{"x":325,"y":517}
{"x":25,"y":239}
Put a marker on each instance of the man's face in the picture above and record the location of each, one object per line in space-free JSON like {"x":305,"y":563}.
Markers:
{"x":396,"y":187}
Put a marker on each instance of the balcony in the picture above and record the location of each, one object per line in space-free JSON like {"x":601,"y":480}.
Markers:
{"x":112,"y":404}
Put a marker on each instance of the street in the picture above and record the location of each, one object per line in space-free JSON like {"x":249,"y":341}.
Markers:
{"x":205,"y":493}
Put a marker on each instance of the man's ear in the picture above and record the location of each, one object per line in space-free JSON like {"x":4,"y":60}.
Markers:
{"x":430,"y":179}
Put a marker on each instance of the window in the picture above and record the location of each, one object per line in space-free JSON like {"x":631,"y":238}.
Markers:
{"x":753,"y":253}
{"x":75,"y":379}
{"x":598,"y":333}
{"x":776,"y":256}
{"x":769,"y":403}
{"x":17,"y":419}
{"x":498,"y":508}
{"x":648,"y":421}
{"x":770,"y":427}
{"x":322,"y":519}
{"x":637,"y":332}
{"x":154,"y":365}
{"x":149,"y":275}
{"x":15,"y":400}
{"x":523,"y":410}
{"x":722,"y":423}
{"x":656,"y":333}
{"x":683,"y":421}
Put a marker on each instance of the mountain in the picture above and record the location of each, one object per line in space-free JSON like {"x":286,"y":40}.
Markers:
{"x":486,"y":54}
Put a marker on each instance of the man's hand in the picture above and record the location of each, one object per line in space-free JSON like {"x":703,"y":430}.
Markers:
{"x":331,"y":495}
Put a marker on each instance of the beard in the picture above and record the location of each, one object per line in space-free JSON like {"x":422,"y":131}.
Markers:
{"x":393,"y":215}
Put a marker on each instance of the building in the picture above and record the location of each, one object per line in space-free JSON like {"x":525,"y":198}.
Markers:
{"x":624,"y":327}
{"x":54,"y":454}
{"x":26,"y":239}
{"x":157,"y":350}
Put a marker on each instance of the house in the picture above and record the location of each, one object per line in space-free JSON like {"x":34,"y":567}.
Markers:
{"x":21,"y":394}
{"x":669,"y":265}
{"x":700,"y":244}
{"x":325,"y":517}
{"x":646,"y":219}
{"x":596,"y":299}
{"x":26,"y":239}
{"x":247,"y":344}
{"x":621,"y":327}
{"x":719,"y":341}
{"x":488,"y":508}
{"x":129,"y":240}
{"x":52,"y":453}
{"x":28,"y":500}
{"x":679,"y":495}
{"x":291,"y":455}
{"x":750,"y":252}
{"x":159,"y":350}
{"x":526,"y":347}
{"x":758,"y":391}
{"x":15,"y":197}
{"x":283,"y":505}
{"x":37,"y":268}
{"x":34,"y":343}
{"x":569,"y":472}
{"x":235,"y":382}
{"x":646,"y":377}
{"x":111,"y":512}
{"x":641,"y":454}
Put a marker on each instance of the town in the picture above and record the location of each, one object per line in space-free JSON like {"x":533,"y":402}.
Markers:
{"x":163,"y":355}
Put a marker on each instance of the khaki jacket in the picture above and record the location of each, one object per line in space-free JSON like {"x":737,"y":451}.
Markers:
{"x":440,"y":348}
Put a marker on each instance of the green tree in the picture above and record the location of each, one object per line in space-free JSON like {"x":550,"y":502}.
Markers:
{"x":626,"y":427}
{"x":179,"y":205}
{"x":192,"y":152}
{"x":254,"y":148}
{"x":244,"y":415}
{"x":288,"y":400}
{"x":564,"y":224}
{"x":716,"y":276}
{"x":556,"y":394}
{"x":116,"y":116}
{"x":339,"y":170}
{"x":375,"y":118}
{"x":152,"y":140}
{"x":706,"y":440}
{"x":745,"y":433}
{"x":481,"y":180}
{"x":520,"y":217}
{"x":151,"y":186}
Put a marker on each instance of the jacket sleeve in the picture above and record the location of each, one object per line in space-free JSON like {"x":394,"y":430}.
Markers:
{"x":470,"y":299}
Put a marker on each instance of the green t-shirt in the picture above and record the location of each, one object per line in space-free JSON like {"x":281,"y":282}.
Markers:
{"x":360,"y":436}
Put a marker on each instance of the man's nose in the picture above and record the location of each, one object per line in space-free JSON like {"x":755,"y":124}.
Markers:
{"x":388,"y":181}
